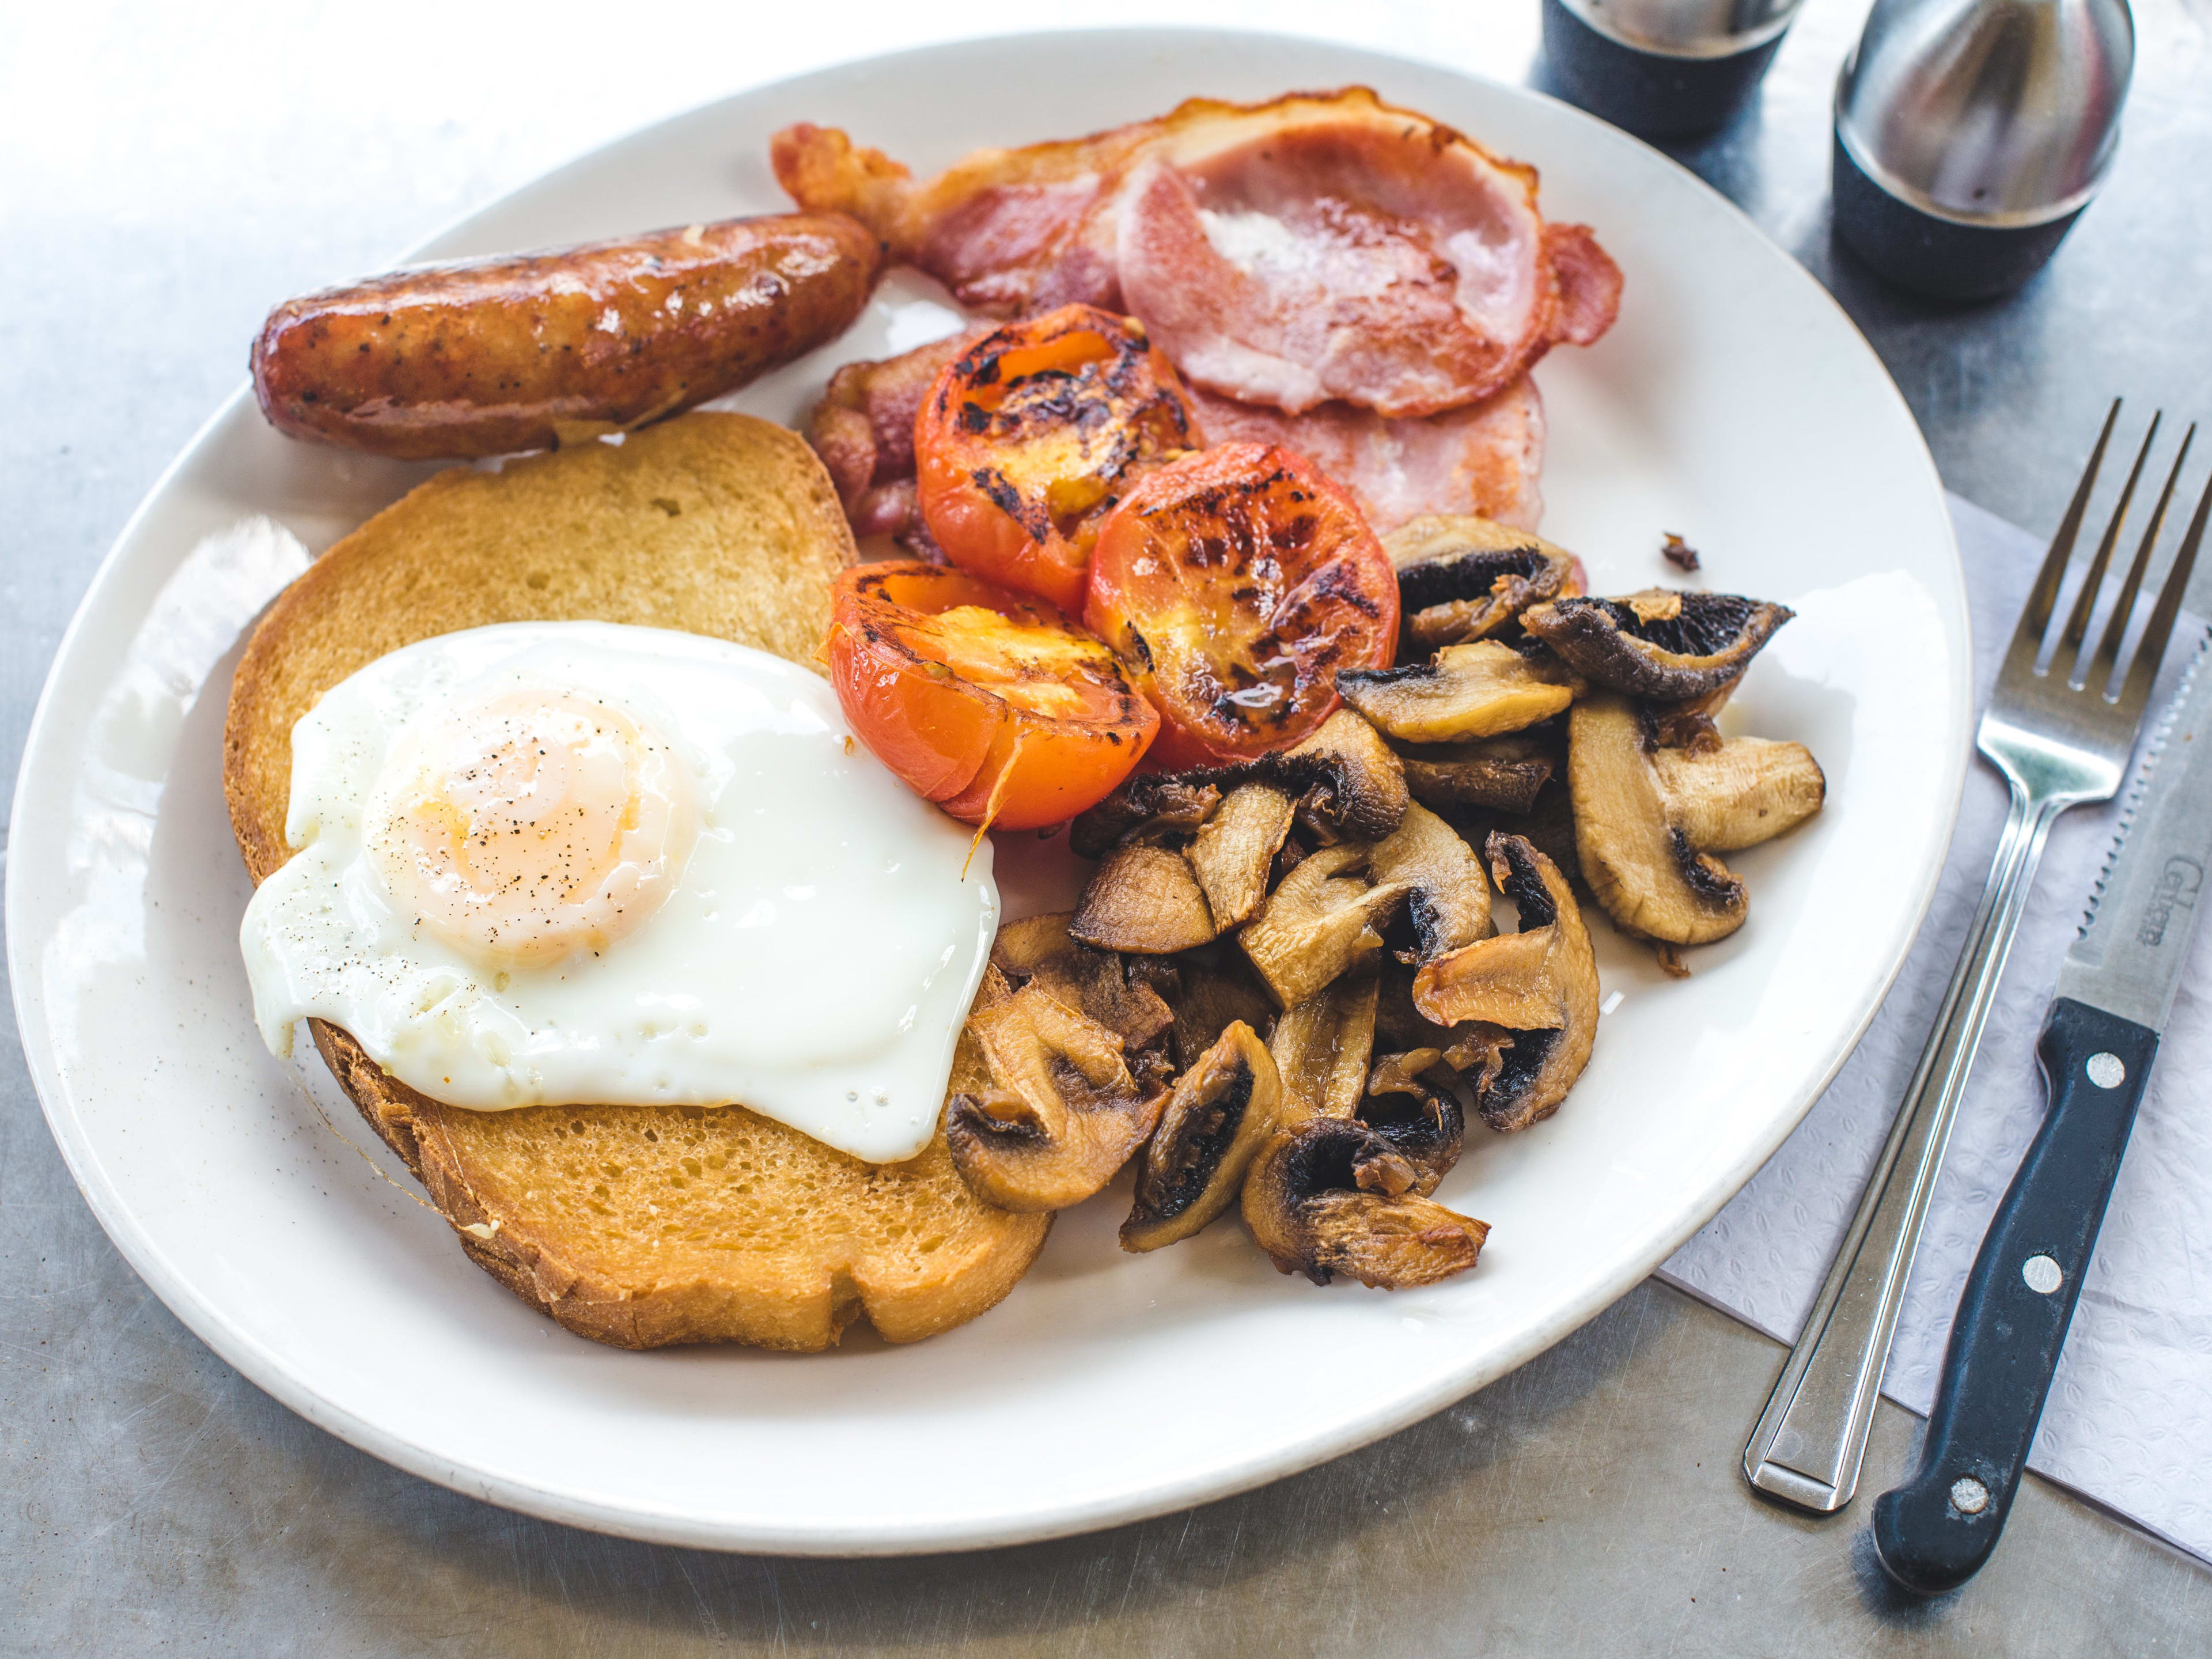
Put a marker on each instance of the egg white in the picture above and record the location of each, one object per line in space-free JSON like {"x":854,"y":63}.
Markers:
{"x":814,"y":960}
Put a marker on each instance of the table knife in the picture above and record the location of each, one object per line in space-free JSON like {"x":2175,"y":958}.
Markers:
{"x":2115,"y":992}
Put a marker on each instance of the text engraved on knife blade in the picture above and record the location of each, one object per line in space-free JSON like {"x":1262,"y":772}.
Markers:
{"x":2176,"y":889}
{"x":2134,"y":945}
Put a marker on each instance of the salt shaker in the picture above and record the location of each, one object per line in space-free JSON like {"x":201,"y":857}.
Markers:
{"x":1970,"y":134}
{"x":1664,"y":67}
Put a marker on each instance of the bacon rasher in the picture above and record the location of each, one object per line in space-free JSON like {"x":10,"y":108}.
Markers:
{"x":1486,"y":458}
{"x":1318,"y":247}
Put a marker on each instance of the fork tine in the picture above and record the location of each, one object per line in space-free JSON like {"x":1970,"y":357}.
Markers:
{"x":2116,"y":627}
{"x":2077,"y":625}
{"x":2035,"y":616}
{"x":2144,"y":669}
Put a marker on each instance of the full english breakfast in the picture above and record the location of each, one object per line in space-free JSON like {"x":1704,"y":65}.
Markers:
{"x":623,"y":824}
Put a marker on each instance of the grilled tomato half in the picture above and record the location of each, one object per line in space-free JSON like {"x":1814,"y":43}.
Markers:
{"x":993,"y":705}
{"x":1030,"y":438}
{"x":1235,"y":584}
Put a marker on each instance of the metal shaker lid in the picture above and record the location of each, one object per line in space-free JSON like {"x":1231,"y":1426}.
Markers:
{"x":1688,"y":28}
{"x":2000,"y":112}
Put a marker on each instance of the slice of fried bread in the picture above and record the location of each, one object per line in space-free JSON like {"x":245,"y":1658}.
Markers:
{"x":636,"y":1225}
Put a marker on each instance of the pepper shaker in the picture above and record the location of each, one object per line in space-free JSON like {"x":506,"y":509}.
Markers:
{"x":1664,"y":67}
{"x":1970,"y":134}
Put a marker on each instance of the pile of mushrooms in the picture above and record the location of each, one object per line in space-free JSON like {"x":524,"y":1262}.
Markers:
{"x":1282,"y":989}
{"x":1586,"y":723}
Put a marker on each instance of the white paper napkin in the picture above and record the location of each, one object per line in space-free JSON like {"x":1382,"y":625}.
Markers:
{"x":2128,"y":1422}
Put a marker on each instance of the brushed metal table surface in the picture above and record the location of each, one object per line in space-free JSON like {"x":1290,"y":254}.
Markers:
{"x":166,"y":173}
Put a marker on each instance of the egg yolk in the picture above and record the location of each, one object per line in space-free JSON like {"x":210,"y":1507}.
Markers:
{"x":531,"y":826}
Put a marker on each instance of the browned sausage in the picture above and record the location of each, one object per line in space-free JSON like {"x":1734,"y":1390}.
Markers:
{"x":487,"y":356}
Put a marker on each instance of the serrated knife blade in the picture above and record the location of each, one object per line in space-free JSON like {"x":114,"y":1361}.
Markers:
{"x":2135,"y":942}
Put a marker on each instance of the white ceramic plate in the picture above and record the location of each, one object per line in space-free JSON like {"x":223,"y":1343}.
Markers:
{"x":1732,"y":403}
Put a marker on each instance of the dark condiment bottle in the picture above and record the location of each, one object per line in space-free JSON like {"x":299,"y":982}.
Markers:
{"x":1664,"y":67}
{"x":1970,"y":134}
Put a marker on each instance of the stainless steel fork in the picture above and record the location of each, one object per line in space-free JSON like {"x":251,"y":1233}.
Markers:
{"x":2060,"y":739}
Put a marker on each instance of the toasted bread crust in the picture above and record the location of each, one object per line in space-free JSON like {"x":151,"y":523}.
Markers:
{"x":809,"y":1238}
{"x":800,"y":1298}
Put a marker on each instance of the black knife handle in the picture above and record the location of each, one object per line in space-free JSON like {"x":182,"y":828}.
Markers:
{"x":1934,"y":1532}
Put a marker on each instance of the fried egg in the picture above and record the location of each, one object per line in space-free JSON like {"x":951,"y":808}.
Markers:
{"x":576,"y":863}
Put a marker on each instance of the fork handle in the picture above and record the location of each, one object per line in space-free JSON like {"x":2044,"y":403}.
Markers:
{"x":1809,"y":1440}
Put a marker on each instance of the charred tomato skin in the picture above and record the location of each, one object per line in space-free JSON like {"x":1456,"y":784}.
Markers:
{"x":1234,"y":584}
{"x":990,"y":703}
{"x":1029,"y":439}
